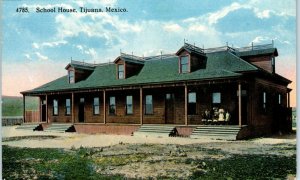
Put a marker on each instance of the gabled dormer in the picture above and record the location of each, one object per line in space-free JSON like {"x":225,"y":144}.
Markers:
{"x":128,"y":65}
{"x":262,"y":56}
{"x":78,"y":71}
{"x":190,"y":58}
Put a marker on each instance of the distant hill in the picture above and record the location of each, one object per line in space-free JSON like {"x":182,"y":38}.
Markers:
{"x":13,"y":105}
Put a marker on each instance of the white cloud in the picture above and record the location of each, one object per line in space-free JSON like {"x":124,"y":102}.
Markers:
{"x":262,"y":14}
{"x":80,"y":47}
{"x":54,"y":43}
{"x":172,"y":28}
{"x":92,"y":52}
{"x":216,"y":16}
{"x":41,"y":57}
{"x":48,"y":44}
{"x":35,"y":45}
{"x":198,"y":28}
{"x":27,"y":56}
{"x":263,"y":9}
{"x":260,"y":39}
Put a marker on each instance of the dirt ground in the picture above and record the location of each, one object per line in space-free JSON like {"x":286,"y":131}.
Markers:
{"x":171,"y":157}
{"x":71,"y":140}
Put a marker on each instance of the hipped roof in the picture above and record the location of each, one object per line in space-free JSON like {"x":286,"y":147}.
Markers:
{"x":219,"y":65}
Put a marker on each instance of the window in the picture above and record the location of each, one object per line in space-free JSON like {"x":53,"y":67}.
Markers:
{"x":96,"y":108}
{"x":121,"y":71}
{"x":192,"y":103}
{"x":264,"y":102}
{"x":81,"y":100}
{"x":71,"y":77}
{"x":129,"y":109}
{"x":273,"y":61}
{"x":216,"y":98}
{"x":112,"y":105}
{"x":55,"y":107}
{"x":184,"y":64}
{"x":68,"y":106}
{"x":279,"y":98}
{"x":168,"y":96}
{"x":149,"y":105}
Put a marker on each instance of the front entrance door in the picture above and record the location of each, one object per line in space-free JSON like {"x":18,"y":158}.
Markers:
{"x":170,"y":110}
{"x":43,"y":112}
{"x":81,"y":110}
{"x":244,"y":110}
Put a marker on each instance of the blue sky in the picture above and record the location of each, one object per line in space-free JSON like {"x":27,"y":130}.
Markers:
{"x":37,"y":46}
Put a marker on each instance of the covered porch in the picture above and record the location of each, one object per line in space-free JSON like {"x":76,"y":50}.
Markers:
{"x":222,"y":102}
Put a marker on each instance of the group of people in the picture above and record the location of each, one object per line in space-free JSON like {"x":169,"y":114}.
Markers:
{"x":216,"y":116}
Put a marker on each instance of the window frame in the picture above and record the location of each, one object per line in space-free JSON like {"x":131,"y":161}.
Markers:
{"x":147,"y":112}
{"x":55,"y":107}
{"x":192,"y":104}
{"x":187,"y":64}
{"x":68,"y":107}
{"x":129,"y":106}
{"x":112,"y":105}
{"x":73,"y":76}
{"x":219,"y":98}
{"x":96,"y":106}
{"x":279,"y":99}
{"x":119,"y":71}
{"x":264,"y":102}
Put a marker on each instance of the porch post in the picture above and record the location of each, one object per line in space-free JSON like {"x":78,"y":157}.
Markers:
{"x":141,"y":105}
{"x":47,"y":120}
{"x":288,"y":99}
{"x":185,"y":105}
{"x":240,"y":104}
{"x":73,"y":108}
{"x":40,"y":108}
{"x":24,"y":119}
{"x":104,"y":107}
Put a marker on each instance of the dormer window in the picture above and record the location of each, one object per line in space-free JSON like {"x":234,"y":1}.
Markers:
{"x":184,"y":64}
{"x":71,"y":75}
{"x":121,"y":74}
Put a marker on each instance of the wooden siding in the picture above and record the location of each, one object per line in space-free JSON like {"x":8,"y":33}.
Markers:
{"x":81,"y":74}
{"x":270,"y":120}
{"x":61,"y":117}
{"x":121,"y":116}
{"x":132,"y":69}
{"x":32,"y":116}
{"x":264,"y":62}
{"x":158,"y":100}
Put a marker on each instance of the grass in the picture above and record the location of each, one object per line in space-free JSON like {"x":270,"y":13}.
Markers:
{"x":247,"y":167}
{"x":27,"y":163}
{"x":91,"y":163}
{"x":13,"y":106}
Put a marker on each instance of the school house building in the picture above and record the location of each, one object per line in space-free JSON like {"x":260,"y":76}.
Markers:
{"x":194,"y":91}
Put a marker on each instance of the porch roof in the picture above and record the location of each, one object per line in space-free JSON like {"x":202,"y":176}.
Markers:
{"x":219,"y":65}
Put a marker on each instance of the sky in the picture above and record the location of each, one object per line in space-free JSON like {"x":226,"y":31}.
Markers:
{"x":38,"y":46}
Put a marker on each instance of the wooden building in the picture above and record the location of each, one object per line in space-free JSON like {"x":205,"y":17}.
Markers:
{"x":192,"y":88}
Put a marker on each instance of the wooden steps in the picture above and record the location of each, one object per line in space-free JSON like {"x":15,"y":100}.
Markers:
{"x":225,"y":132}
{"x":31,"y":127}
{"x":156,"y":131}
{"x":60,"y":128}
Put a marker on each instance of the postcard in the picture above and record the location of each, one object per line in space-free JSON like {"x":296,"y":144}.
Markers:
{"x":168,"y":89}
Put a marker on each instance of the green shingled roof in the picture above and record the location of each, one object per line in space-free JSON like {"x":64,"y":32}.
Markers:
{"x":219,"y":65}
